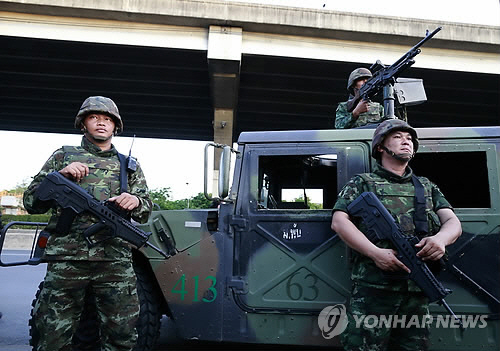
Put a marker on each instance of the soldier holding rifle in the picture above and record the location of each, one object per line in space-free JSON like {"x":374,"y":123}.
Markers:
{"x":380,"y":280}
{"x":75,"y":268}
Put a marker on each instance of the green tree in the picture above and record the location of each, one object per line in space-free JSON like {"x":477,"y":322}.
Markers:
{"x":161,"y":197}
{"x":199,"y":201}
{"x":312,"y":205}
{"x":178,"y":204}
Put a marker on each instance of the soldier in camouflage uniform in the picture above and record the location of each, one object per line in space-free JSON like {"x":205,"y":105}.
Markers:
{"x":73,"y":267}
{"x":365,"y":112}
{"x":380,"y":285}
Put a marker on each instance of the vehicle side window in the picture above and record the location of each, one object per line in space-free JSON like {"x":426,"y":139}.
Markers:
{"x":297,"y":182}
{"x":461,"y":176}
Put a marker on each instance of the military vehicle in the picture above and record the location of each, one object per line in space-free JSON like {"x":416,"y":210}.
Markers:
{"x":261,"y":266}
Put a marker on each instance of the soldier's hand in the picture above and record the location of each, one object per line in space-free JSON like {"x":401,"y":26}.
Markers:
{"x":386,"y":260}
{"x":361,"y":107}
{"x":126,"y":201}
{"x":432,"y":248}
{"x":75,"y":171}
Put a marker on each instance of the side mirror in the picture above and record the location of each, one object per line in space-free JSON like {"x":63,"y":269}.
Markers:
{"x":224,"y":169}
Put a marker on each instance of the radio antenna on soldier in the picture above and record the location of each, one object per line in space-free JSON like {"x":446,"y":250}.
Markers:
{"x":131,"y":145}
{"x":131,"y":161}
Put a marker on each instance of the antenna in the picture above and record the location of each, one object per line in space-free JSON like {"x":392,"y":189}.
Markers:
{"x":131,"y":145}
{"x":131,"y":161}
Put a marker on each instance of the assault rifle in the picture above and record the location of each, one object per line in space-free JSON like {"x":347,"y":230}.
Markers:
{"x":75,"y":200}
{"x":386,"y":75}
{"x":382,"y":226}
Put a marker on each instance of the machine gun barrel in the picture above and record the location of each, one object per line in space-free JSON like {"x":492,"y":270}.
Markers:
{"x":415,"y":50}
{"x":384,"y":75}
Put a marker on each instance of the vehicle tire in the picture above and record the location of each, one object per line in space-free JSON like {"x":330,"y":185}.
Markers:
{"x":87,"y":336}
{"x":148,"y":325}
{"x":34,"y":334}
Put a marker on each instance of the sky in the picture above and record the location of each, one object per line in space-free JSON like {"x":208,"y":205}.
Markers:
{"x":178,"y":164}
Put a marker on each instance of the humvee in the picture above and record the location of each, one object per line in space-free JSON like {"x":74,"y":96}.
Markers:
{"x":261,"y":266}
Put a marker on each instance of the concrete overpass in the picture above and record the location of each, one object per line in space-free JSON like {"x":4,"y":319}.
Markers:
{"x":207,"y":70}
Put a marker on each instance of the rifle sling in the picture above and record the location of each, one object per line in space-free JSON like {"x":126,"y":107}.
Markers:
{"x":421,"y":227}
{"x":123,"y":173}
{"x":419,"y":218}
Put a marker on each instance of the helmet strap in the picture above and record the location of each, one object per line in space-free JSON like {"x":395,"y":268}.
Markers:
{"x":398,"y":157}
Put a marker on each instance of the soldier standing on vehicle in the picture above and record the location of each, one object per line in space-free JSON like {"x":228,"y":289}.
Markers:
{"x":380,"y":285}
{"x":365,"y":112}
{"x":73,"y":267}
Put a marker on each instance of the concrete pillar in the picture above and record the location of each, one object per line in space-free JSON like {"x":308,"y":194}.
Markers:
{"x":224,"y":60}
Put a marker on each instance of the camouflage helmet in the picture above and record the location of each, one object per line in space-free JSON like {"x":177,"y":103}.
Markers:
{"x":358,"y":73}
{"x":99,"y":104}
{"x":389,"y":126}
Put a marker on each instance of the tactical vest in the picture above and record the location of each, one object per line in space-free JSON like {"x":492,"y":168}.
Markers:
{"x":102,"y":182}
{"x":399,"y":200}
{"x":373,"y":115}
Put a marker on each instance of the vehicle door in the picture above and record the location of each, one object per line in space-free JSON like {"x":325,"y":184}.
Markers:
{"x":286,"y":255}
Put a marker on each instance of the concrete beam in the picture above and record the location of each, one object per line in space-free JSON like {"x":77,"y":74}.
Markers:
{"x":271,"y":19}
{"x":254,"y":43}
{"x":283,"y":32}
{"x":102,"y":31}
{"x":367,"y":53}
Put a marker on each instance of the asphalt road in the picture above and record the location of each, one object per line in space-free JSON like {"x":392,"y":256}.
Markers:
{"x":18,"y":286}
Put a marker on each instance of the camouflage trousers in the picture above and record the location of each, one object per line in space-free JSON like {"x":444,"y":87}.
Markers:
{"x":60,"y":304}
{"x":380,"y":320}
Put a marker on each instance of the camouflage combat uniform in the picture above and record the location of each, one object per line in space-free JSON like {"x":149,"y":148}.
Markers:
{"x":73,"y":266}
{"x":344,"y":120}
{"x":373,"y":292}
